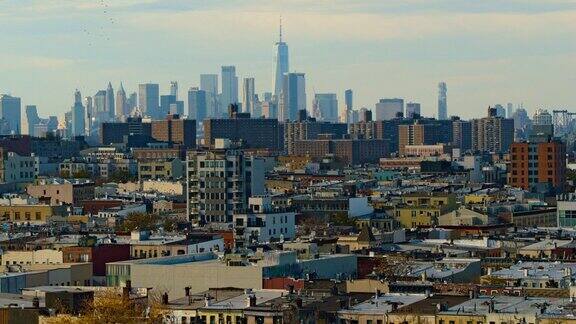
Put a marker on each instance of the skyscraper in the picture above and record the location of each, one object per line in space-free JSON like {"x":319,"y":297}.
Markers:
{"x":348,"y":97}
{"x":442,"y":101}
{"x":292,"y":97}
{"x":281,"y":61}
{"x":110,"y":102}
{"x":197,"y":104}
{"x":509,"y":110}
{"x":165,"y":102}
{"x":412,"y":109}
{"x":78,"y":122}
{"x":32,"y":119}
{"x":325,"y":107}
{"x":209,"y":83}
{"x":387,"y":109}
{"x":148,"y":96}
{"x":121,"y":103}
{"x":249,"y":96}
{"x":229,"y":86}
{"x":174,"y":89}
{"x":99,"y":109}
{"x":10,"y":112}
{"x":131,"y":102}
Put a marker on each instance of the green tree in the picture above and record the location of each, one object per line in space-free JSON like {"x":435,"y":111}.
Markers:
{"x":143,"y":221}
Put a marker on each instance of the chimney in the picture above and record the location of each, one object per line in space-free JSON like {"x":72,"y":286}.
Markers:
{"x":165,"y":298}
{"x":525,"y":272}
{"x":299,"y":302}
{"x":187,"y":291}
{"x":428,"y":293}
{"x":206,"y":300}
{"x":251,"y":300}
{"x":127,"y":289}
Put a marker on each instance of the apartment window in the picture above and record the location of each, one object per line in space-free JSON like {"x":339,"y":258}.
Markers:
{"x":17,"y":215}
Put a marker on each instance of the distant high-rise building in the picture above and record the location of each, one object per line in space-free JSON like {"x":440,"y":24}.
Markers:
{"x":175,"y":131}
{"x":174,"y":89}
{"x":89,"y":106}
{"x":32,"y":119}
{"x":269,"y":109}
{"x":148,"y":96}
{"x":78,"y":122}
{"x":176,"y":108}
{"x":509,"y":110}
{"x":492,"y":133}
{"x":255,"y":133}
{"x":293,"y":96}
{"x":121,"y":103}
{"x":165,"y":102}
{"x":267,"y":96}
{"x":209,"y":84}
{"x":442,"y":101}
{"x":412,"y":109}
{"x":281,"y":64}
{"x":99,"y":113}
{"x":387,"y":109}
{"x":132,"y":102}
{"x":325,"y":107}
{"x":110,"y":102}
{"x":462,"y":134}
{"x":348,"y":102}
{"x":249,"y":97}
{"x":500,"y":111}
{"x":10,"y":112}
{"x":308,"y":129}
{"x":229,"y":86}
{"x":542,"y":117}
{"x":197,"y":104}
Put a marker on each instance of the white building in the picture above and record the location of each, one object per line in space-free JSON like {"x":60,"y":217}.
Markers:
{"x":263,"y":222}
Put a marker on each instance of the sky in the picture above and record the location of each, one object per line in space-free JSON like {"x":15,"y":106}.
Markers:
{"x":488,"y":52}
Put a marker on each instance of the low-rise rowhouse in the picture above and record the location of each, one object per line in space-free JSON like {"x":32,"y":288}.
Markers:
{"x":33,"y":214}
{"x":71,"y":274}
{"x":507,"y":309}
{"x":423,"y":209}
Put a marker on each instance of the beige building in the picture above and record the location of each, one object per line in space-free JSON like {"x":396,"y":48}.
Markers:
{"x":462,"y":217}
{"x":158,"y":169}
{"x":61,"y":191}
{"x":33,"y":214}
{"x":46,"y":256}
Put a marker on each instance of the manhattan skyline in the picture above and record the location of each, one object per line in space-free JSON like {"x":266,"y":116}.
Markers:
{"x":397,"y":49}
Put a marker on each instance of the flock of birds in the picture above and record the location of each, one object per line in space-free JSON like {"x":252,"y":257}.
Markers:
{"x":100,"y":33}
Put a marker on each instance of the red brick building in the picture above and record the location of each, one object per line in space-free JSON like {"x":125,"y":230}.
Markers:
{"x":538,"y":165}
{"x":99,"y":255}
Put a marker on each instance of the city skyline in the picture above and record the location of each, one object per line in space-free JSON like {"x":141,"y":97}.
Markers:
{"x":393,"y":40}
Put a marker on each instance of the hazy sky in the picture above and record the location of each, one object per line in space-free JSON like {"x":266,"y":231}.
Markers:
{"x":488,"y":51}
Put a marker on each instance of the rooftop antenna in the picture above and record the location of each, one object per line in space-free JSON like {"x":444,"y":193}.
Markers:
{"x":280,"y":29}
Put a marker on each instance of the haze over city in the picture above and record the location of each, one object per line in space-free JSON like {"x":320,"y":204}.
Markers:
{"x":487,"y":52}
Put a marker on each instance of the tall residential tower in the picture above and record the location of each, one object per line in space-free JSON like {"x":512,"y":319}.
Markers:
{"x":442,"y":101}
